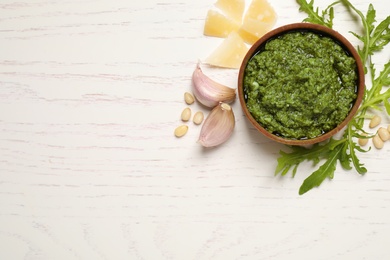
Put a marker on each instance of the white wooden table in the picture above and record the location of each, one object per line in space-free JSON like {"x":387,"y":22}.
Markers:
{"x":90,"y":93}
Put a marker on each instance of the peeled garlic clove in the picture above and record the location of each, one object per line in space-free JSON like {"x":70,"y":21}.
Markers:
{"x":208,"y":92}
{"x":218,"y":126}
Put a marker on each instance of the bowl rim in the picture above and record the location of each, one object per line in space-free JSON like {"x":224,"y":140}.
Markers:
{"x":320,"y":29}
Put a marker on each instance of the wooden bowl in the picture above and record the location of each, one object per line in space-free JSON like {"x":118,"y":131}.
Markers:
{"x":319,"y":29}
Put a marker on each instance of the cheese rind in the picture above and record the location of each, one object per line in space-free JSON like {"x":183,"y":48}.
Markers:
{"x":230,"y":53}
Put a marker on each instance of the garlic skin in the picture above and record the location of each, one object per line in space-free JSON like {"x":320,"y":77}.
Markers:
{"x":208,"y":92}
{"x":218,"y":126}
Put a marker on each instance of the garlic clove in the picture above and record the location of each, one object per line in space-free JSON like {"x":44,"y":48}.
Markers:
{"x":218,"y":126}
{"x":208,"y":92}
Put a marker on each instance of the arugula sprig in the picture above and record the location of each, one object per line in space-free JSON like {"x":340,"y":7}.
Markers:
{"x":315,"y":16}
{"x":374,"y":39}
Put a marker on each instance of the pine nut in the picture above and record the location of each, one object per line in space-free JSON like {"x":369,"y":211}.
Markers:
{"x":383,"y":134}
{"x":377,"y":141}
{"x":181,"y":130}
{"x":188,"y":98}
{"x":363,"y":141}
{"x":186,"y":114}
{"x":198,"y":118}
{"x":375,"y":121}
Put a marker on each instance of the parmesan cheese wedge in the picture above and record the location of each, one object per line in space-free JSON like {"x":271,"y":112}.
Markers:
{"x":230,"y":53}
{"x":233,"y":9}
{"x":261,"y":10}
{"x":218,"y":25}
{"x":228,"y":22}
{"x":259,"y":19}
{"x":251,"y":30}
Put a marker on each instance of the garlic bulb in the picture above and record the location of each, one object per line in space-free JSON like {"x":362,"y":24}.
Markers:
{"x":208,"y":92}
{"x":218,"y":126}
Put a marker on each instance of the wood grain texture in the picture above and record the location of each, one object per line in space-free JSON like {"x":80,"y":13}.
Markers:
{"x":90,"y":93}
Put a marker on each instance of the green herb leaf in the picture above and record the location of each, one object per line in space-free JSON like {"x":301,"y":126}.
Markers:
{"x":384,"y":77}
{"x":370,"y":18}
{"x":374,"y":38}
{"x":345,"y":158}
{"x":375,"y":95}
{"x":288,"y":160}
{"x":387,"y":106}
{"x":355,"y":160}
{"x":380,"y":36}
{"x":325,"y":171}
{"x":314,"y":16}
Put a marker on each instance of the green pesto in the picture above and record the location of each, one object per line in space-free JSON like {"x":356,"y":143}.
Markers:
{"x":300,"y":85}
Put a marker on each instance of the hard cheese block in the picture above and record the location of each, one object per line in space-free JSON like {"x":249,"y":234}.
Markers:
{"x":230,"y":53}
{"x":258,"y":20}
{"x":218,"y":25}
{"x":251,"y":30}
{"x":261,"y":10}
{"x":233,"y":9}
{"x":228,"y":22}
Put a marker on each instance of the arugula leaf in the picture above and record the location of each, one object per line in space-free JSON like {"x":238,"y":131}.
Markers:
{"x":370,"y":18}
{"x":352,"y":146}
{"x":325,"y":171}
{"x":380,"y":36}
{"x":387,"y":106}
{"x":298,"y":155}
{"x":374,"y":94}
{"x":384,"y":77}
{"x":314,"y":16}
{"x":374,"y":39}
